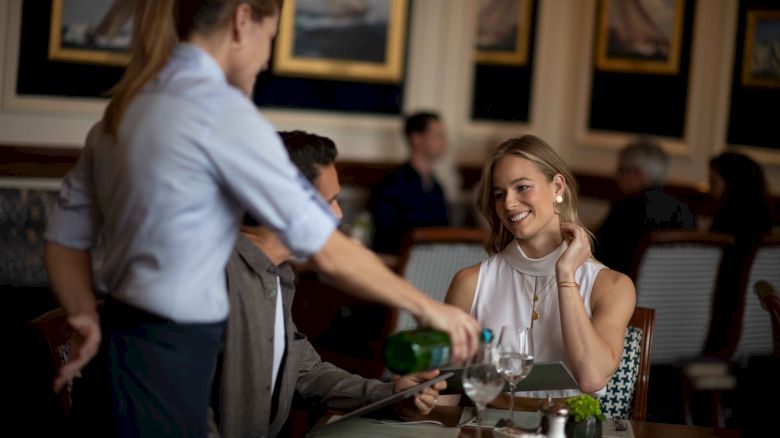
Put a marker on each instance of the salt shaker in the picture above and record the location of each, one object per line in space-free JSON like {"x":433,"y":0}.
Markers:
{"x":557,"y":423}
{"x":546,"y":408}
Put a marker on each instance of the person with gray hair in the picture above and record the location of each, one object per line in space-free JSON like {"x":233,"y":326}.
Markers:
{"x":642,"y":164}
{"x":644,"y":207}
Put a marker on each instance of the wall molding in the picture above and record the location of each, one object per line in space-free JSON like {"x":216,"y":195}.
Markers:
{"x":439,"y":75}
{"x":611,"y":141}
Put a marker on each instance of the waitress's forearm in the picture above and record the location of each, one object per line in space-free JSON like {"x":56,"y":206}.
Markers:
{"x":70,"y":277}
{"x":363,"y":274}
{"x":589,"y":356}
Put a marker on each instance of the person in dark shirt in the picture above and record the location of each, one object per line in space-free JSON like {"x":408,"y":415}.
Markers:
{"x":410,"y":197}
{"x":738,"y":186}
{"x":645,"y":207}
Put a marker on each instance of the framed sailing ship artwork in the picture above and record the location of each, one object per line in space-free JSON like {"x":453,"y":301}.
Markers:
{"x":640,"y":36}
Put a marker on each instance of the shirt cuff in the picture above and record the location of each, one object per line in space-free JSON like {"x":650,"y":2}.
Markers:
{"x":310,"y":229}
{"x":71,"y":228}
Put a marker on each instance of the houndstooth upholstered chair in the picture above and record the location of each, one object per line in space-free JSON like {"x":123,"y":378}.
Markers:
{"x":626,"y":395}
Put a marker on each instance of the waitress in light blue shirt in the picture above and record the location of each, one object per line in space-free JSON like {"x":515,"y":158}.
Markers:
{"x":181,"y":152}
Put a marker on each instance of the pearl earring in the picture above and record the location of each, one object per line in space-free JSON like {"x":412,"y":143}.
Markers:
{"x":559,"y":199}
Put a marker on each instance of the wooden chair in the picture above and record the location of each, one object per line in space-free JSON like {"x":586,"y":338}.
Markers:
{"x":81,"y":408}
{"x":644,"y":320}
{"x":754,"y":332}
{"x":771,"y":302}
{"x":56,"y":338}
{"x":431,"y":257}
{"x":627,"y":390}
{"x":675,"y":273}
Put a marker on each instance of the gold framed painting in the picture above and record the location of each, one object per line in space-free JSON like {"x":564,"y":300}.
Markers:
{"x":640,"y":36}
{"x":761,"y":54}
{"x":350,"y":40}
{"x":91,"y":31}
{"x":503,"y":32}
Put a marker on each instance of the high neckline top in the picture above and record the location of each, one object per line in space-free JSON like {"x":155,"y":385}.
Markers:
{"x":541,"y":267}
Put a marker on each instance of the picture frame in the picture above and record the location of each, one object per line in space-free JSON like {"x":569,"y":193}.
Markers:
{"x":360,"y":41}
{"x":640,"y":36}
{"x":762,"y":44}
{"x":91,"y":31}
{"x":503,"y":32}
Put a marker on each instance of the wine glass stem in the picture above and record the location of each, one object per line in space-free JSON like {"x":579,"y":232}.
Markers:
{"x":512,"y":402}
{"x":480,"y":410}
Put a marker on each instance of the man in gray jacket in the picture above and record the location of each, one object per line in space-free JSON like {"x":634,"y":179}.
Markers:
{"x":265,"y":359}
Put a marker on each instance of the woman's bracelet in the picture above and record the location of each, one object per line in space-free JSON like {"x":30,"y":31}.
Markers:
{"x":569,"y":284}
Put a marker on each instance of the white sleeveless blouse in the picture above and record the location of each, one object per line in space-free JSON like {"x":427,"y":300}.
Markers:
{"x":504,"y":296}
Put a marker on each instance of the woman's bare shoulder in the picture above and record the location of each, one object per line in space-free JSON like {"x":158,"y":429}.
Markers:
{"x":614,"y":286}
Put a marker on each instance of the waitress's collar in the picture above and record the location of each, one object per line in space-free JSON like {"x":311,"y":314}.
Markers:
{"x":204,"y":61}
{"x":542,"y":267}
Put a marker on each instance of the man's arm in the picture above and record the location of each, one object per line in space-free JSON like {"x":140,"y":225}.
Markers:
{"x":324,"y":383}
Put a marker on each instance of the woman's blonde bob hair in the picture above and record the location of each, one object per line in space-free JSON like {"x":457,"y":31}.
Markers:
{"x":549,"y":164}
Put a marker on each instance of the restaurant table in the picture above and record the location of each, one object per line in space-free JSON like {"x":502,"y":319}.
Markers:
{"x":450,"y":415}
{"x":644,"y":429}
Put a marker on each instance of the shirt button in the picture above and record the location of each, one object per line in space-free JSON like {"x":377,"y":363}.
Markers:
{"x":267,"y":387}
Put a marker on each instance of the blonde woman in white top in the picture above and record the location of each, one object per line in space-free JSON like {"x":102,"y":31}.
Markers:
{"x":541,"y":273}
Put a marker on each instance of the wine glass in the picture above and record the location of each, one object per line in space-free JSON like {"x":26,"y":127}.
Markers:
{"x":514,"y":356}
{"x":481,"y":381}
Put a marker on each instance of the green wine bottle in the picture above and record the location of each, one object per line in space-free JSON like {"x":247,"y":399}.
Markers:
{"x":413,"y":351}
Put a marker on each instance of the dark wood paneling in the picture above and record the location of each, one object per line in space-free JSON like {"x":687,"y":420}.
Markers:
{"x":49,"y":162}
{"x":36,"y":162}
{"x":363,"y":173}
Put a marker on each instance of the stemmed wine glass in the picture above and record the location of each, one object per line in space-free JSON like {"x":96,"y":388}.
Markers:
{"x":514,"y":356}
{"x":481,"y":381}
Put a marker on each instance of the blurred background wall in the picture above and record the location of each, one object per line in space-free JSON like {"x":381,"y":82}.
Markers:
{"x":555,"y":95}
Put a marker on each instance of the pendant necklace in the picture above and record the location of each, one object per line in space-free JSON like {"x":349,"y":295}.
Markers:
{"x":537,"y":294}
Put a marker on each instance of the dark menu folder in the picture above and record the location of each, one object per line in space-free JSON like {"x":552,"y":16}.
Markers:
{"x":387,"y":401}
{"x":545,"y":376}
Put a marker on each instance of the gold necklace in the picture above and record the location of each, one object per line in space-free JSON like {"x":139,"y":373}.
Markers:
{"x":534,"y":313}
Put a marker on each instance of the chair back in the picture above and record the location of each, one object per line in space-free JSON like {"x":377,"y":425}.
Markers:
{"x":675,"y":273}
{"x":56,"y":339}
{"x":771,"y":300}
{"x":756,"y":332}
{"x":432,"y":256}
{"x":23,"y":215}
{"x":627,"y":390}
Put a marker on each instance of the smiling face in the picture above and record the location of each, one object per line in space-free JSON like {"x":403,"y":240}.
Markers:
{"x":523,"y":198}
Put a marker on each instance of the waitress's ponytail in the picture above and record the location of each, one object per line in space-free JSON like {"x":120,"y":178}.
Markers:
{"x":154,"y":37}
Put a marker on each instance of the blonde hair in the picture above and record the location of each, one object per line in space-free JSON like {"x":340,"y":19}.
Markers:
{"x":549,"y":164}
{"x":158,"y":25}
